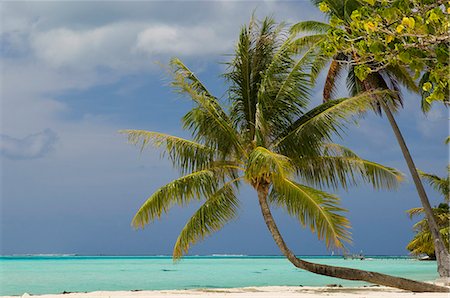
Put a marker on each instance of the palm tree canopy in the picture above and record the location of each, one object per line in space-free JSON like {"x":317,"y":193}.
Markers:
{"x":422,"y":242}
{"x":313,"y":34}
{"x":266,"y":136}
{"x":441,"y":185}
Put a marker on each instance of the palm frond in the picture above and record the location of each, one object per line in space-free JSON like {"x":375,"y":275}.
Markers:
{"x":185,"y":74}
{"x":213,"y":130}
{"x":380,"y":81}
{"x":227,"y":169}
{"x":319,"y":63}
{"x":265,"y":166}
{"x":403,"y":76}
{"x":255,"y":52}
{"x":208,"y":122}
{"x":337,"y":150}
{"x":414,"y":212}
{"x":310,"y":47}
{"x":338,"y":166}
{"x":321,"y":123}
{"x":441,"y":214}
{"x":308,"y":41}
{"x":310,"y":27}
{"x":240,"y":76}
{"x":185,"y":154}
{"x":294,"y":85}
{"x":439,"y":184}
{"x":181,"y":191}
{"x":423,"y":242}
{"x":217,"y":211}
{"x":318,"y":210}
{"x":284,"y":90}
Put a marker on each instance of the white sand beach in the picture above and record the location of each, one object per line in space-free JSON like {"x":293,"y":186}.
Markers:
{"x":253,"y":292}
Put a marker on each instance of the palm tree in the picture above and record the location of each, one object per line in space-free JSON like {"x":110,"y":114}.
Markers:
{"x":269,"y":140}
{"x":387,"y":79}
{"x":423,"y":241}
{"x":441,"y":185}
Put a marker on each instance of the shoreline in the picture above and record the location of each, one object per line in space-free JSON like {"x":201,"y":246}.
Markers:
{"x":251,"y":292}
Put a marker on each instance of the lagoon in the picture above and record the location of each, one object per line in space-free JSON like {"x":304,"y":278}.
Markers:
{"x":55,"y":274}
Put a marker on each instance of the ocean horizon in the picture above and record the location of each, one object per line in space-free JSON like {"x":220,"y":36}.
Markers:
{"x":187,"y":256}
{"x":57,"y":273}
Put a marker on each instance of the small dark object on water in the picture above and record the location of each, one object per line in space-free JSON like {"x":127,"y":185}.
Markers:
{"x":136,"y":290}
{"x":334,"y":286}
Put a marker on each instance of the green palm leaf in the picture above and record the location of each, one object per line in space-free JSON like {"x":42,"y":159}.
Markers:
{"x":308,"y":42}
{"x":261,"y":47}
{"x":310,"y":26}
{"x":284,"y":90}
{"x":217,"y":211}
{"x":184,"y":154}
{"x":181,"y":191}
{"x":415,"y":211}
{"x":338,"y":166}
{"x":213,"y":130}
{"x":322,"y":123}
{"x":314,"y":208}
{"x":423,"y":242}
{"x":264,"y":166}
{"x":441,"y":185}
{"x":183,"y":74}
{"x":208,"y":122}
{"x":402,"y":75}
{"x":240,"y":76}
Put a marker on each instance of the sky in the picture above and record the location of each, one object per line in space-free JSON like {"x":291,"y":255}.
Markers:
{"x":74,"y":73}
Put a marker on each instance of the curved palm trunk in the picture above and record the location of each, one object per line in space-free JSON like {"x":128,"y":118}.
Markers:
{"x":442,"y":255}
{"x":334,"y":271}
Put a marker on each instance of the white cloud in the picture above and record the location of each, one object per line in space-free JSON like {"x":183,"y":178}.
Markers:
{"x":125,"y":46}
{"x":174,"y":40}
{"x":32,"y":146}
{"x":127,"y":38}
{"x":107,"y":46}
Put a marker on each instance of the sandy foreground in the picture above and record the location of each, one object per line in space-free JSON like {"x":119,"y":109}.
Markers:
{"x":253,"y":292}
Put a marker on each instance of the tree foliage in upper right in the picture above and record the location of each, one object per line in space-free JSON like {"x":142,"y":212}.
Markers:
{"x":386,"y":33}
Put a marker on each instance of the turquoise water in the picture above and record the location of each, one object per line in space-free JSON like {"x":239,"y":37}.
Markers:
{"x":55,"y":274}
